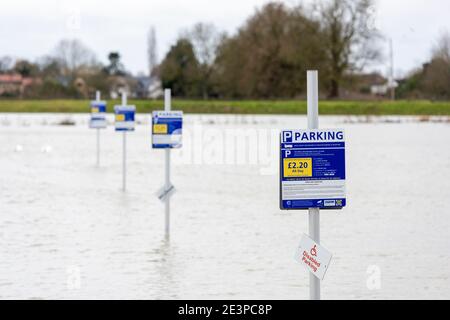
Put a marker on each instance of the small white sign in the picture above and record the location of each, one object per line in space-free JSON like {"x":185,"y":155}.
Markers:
{"x":313,"y":257}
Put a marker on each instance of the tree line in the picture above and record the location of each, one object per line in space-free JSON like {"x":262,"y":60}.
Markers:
{"x":266,"y":58}
{"x":269,"y":55}
{"x":71,"y":70}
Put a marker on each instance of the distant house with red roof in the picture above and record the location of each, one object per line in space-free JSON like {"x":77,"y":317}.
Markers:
{"x":13,"y":85}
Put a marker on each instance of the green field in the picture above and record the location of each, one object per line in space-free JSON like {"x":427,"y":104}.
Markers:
{"x":401,"y":107}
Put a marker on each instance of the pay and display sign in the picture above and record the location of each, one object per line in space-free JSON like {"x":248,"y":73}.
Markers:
{"x":312,"y":169}
{"x":98,"y":115}
{"x":124,"y":118}
{"x":167,"y":129}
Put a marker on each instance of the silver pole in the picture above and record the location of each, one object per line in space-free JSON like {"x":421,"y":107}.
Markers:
{"x":97,"y":98}
{"x":167,"y":107}
{"x":124,"y":162}
{"x":391,"y":75}
{"x":167,"y":186}
{"x":314,"y":213}
{"x":98,"y":147}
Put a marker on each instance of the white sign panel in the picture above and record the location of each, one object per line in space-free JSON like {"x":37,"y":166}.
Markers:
{"x":313,"y":257}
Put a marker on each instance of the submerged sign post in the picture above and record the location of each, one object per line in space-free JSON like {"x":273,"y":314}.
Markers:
{"x":98,"y":119}
{"x":312,"y":177}
{"x":124,"y":121}
{"x":167,"y":128}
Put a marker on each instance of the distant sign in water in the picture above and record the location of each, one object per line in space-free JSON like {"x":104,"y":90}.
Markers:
{"x":124,"y":118}
{"x":167,"y":129}
{"x":98,"y":115}
{"x":312,"y":169}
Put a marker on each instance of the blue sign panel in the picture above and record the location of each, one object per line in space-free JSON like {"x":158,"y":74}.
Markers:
{"x":167,"y":129}
{"x":124,"y":118}
{"x":312,"y":169}
{"x":98,"y":115}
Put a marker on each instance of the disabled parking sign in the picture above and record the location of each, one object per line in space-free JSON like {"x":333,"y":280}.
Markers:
{"x":313,"y":257}
{"x":312,"y":169}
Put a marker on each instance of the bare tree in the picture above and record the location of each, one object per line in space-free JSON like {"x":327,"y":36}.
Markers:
{"x":206,"y":39}
{"x":350,"y":37}
{"x":73,"y":56}
{"x":442,"y":47}
{"x":436,"y":80}
{"x":6,"y":63}
{"x":152,"y":50}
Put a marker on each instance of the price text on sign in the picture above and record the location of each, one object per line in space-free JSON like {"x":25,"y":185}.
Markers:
{"x":160,"y":128}
{"x":298,"y":167}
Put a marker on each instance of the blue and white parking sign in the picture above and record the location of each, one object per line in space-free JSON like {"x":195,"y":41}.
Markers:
{"x":167,"y":129}
{"x":124,"y":118}
{"x":312,"y":169}
{"x":98,"y":115}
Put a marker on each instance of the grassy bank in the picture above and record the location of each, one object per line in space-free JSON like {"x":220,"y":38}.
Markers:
{"x":242,"y":107}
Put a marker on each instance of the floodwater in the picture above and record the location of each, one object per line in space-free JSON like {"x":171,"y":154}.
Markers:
{"x":68,"y":231}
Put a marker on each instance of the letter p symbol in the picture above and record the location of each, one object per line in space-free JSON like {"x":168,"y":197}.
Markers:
{"x":287,"y":136}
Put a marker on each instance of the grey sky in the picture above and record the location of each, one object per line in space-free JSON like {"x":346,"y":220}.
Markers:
{"x":30,"y":29}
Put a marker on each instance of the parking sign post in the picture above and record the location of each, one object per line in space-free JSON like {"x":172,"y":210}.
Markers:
{"x":167,"y":107}
{"x":124,"y":121}
{"x":167,"y":128}
{"x":97,"y":98}
{"x":98,"y":120}
{"x":312,"y":178}
{"x":314,"y":213}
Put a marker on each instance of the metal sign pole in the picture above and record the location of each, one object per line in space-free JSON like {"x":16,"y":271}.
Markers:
{"x":314,"y":213}
{"x":167,"y":107}
{"x":124,"y":162}
{"x":97,"y":98}
{"x":98,"y":147}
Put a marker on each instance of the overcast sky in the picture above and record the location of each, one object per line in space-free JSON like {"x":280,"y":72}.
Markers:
{"x":30,"y":29}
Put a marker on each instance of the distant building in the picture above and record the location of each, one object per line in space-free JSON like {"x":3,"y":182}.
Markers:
{"x":383,"y":89}
{"x":119,"y":85}
{"x":14,"y":84}
{"x":148,"y":88}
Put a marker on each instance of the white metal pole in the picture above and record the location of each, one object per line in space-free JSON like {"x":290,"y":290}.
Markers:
{"x":167,"y":107}
{"x":314,"y":213}
{"x":391,"y":75}
{"x":98,"y":147}
{"x":97,"y":98}
{"x":124,"y":162}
